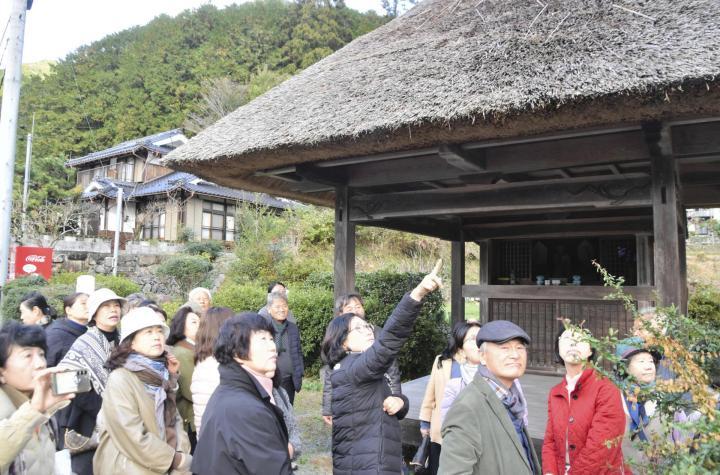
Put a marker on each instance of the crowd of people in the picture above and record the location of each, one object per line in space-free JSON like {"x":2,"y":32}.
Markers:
{"x":213,"y":392}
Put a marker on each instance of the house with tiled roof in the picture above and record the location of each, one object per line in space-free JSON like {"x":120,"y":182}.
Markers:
{"x":158,"y":202}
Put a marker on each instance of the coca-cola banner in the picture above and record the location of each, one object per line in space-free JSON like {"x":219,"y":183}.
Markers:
{"x":33,"y":261}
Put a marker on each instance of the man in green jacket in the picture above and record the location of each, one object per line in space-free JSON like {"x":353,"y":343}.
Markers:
{"x":485,"y":430}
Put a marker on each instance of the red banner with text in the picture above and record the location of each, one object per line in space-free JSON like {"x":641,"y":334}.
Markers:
{"x":33,"y":261}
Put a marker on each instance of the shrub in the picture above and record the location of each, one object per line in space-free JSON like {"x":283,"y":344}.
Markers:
{"x":14,"y":291}
{"x":121,"y":285}
{"x":186,"y":271}
{"x":704,"y":305}
{"x":313,"y":310}
{"x":209,"y":249}
{"x":240,"y":297}
{"x":186,"y":235}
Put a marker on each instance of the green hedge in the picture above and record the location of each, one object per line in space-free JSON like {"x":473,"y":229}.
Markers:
{"x":187,"y":271}
{"x":312,"y":305}
{"x":704,"y":305}
{"x":60,"y":285}
{"x":122,"y":286}
{"x":209,"y":249}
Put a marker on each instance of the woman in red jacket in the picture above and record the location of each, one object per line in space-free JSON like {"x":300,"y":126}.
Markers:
{"x":586,"y":421}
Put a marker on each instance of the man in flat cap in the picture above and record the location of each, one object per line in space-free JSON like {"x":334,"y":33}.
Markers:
{"x":485,"y":429}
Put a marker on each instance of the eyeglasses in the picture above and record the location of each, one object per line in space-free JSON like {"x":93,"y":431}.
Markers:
{"x":366,"y":327}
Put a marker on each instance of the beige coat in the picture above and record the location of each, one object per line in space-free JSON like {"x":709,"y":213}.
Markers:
{"x":434,"y":392}
{"x":205,"y":378}
{"x":25,"y":436}
{"x":130,"y":441}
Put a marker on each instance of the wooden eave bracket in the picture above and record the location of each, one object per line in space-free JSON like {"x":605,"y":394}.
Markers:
{"x":460,"y":159}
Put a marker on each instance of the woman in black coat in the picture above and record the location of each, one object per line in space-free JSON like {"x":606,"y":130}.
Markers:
{"x":243,"y":430}
{"x":366,"y":428}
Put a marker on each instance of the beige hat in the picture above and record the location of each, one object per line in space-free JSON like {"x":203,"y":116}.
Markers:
{"x":140,"y":318}
{"x":99,"y":297}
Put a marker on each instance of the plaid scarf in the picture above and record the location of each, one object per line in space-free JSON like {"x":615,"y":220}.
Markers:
{"x":512,"y":399}
{"x":161,"y":386}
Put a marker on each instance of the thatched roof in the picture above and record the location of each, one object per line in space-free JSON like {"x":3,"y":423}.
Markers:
{"x":456,"y":70}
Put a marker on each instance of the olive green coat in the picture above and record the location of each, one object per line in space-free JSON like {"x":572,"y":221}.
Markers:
{"x":479,"y":438}
{"x":185,"y":353}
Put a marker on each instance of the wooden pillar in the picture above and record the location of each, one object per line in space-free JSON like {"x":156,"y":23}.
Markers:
{"x":344,"y":267}
{"x":683,"y":263}
{"x":457,"y":277}
{"x":644,"y":254}
{"x":484,"y":257}
{"x":665,"y":215}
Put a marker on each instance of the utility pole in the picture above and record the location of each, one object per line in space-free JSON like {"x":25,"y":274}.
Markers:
{"x":118,"y":227}
{"x":26,"y":182}
{"x":8,"y":128}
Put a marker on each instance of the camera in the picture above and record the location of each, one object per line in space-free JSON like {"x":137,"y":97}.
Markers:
{"x":66,"y":382}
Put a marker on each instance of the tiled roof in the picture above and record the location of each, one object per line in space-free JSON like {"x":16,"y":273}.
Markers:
{"x":185,"y":181}
{"x":149,"y":143}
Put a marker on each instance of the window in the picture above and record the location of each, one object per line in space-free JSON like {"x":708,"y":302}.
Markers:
{"x":126,"y":170}
{"x":84,"y":178}
{"x":155,"y":229}
{"x":218,"y":222}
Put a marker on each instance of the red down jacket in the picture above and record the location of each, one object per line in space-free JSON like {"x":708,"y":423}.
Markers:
{"x":593,"y":421}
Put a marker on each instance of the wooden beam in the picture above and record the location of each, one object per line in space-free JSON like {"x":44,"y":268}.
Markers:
{"x":457,"y":271}
{"x":550,"y":292}
{"x":461,"y":160}
{"x":344,"y":267}
{"x":568,"y":229}
{"x":438,"y":228}
{"x":696,"y":139}
{"x":551,"y":222}
{"x":701,"y":196}
{"x":643,"y":251}
{"x":665,"y":218}
{"x":615,"y":193}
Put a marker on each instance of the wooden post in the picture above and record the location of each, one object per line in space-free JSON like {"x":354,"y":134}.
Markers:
{"x":644,"y":266}
{"x":484,"y":257}
{"x":665,"y":216}
{"x":344,"y":277}
{"x":683,"y":263}
{"x":457,"y":276}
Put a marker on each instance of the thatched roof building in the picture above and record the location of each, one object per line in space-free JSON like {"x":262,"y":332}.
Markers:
{"x":454,"y":71}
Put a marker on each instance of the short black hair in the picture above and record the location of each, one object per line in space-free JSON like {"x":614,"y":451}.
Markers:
{"x":36,"y":299}
{"x":235,"y":334}
{"x":69,"y":300}
{"x":177,"y":325}
{"x":345,"y":299}
{"x":456,"y":339}
{"x":558,"y":359}
{"x":332,"y":350}
{"x":273,"y":284}
{"x":16,"y":334}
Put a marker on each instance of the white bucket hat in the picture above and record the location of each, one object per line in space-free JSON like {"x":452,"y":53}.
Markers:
{"x":99,"y":297}
{"x":140,"y":318}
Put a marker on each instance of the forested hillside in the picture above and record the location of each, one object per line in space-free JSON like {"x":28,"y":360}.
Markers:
{"x":152,"y":78}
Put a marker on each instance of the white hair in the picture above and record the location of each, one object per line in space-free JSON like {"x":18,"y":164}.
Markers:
{"x":198,"y":290}
{"x":273,"y":296}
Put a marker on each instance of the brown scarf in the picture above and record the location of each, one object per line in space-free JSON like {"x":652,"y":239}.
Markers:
{"x":150,"y":377}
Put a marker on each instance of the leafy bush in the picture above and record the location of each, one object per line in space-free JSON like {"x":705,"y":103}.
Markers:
{"x":186,"y":271}
{"x":209,"y":249}
{"x":121,"y":285}
{"x":704,"y":305}
{"x":313,"y":309}
{"x":186,"y":235}
{"x":240,"y":297}
{"x":14,"y":291}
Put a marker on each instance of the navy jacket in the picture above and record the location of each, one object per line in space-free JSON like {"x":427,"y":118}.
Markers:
{"x":60,"y":336}
{"x":365,"y":439}
{"x":242,"y":431}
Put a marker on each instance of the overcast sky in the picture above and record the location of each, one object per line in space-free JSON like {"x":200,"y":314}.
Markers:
{"x":56,"y":27}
